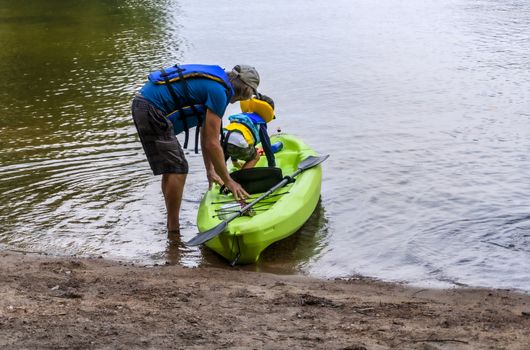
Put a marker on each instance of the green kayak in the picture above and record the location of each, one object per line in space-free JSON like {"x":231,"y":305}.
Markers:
{"x":273,"y":218}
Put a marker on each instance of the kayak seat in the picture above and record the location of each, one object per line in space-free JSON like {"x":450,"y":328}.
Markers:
{"x":257,"y":180}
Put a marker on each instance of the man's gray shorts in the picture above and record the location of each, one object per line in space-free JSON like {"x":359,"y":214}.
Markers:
{"x":163,"y":150}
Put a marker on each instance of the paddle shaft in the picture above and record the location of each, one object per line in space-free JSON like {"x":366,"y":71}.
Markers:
{"x":307,"y":163}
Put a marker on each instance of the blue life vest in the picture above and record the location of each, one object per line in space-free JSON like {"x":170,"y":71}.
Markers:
{"x":251,"y":121}
{"x":189,"y":71}
{"x":189,"y":114}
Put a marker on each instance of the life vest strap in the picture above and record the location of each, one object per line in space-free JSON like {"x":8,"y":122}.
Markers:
{"x":224,"y":143}
{"x":266,"y":144}
{"x":178,"y":102}
{"x":193,"y":108}
{"x":197,"y":130}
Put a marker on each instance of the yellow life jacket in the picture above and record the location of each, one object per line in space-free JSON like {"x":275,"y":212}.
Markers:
{"x":247,"y":134}
{"x":261,"y":108}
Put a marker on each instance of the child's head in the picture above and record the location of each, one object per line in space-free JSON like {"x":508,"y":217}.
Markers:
{"x":244,"y":153}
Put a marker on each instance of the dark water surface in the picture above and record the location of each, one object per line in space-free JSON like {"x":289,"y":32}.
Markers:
{"x":423,"y":106}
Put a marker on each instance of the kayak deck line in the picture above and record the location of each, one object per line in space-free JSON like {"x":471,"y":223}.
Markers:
{"x":250,"y":198}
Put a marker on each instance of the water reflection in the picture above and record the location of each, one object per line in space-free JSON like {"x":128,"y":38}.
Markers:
{"x":70,"y":161}
{"x":301,"y":249}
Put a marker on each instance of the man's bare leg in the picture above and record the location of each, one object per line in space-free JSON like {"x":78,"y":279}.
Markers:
{"x":172,"y":188}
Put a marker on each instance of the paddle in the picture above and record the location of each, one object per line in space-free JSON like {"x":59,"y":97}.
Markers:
{"x":203,"y":237}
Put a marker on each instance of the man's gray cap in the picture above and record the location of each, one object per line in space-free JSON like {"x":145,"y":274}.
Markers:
{"x":248,"y":75}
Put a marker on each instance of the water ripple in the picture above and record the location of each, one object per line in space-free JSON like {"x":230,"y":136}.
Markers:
{"x":423,"y":106}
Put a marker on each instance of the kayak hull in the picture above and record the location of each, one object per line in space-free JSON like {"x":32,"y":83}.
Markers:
{"x":275,"y":217}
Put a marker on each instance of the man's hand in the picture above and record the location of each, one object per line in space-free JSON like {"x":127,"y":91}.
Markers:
{"x":213,"y":155}
{"x":237,"y":191}
{"x":213,"y":178}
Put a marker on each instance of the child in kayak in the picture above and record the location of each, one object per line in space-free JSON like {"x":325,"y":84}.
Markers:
{"x":246,"y":130}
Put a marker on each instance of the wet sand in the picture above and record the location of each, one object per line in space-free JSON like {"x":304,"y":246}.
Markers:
{"x":70,"y":303}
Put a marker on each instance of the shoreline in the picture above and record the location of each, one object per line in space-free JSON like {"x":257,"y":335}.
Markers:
{"x":69,"y":302}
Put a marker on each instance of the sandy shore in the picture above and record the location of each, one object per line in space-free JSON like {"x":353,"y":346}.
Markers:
{"x":70,"y":303}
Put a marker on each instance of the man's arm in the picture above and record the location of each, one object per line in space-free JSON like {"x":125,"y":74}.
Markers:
{"x":213,"y":154}
{"x":251,"y":163}
{"x":210,"y":171}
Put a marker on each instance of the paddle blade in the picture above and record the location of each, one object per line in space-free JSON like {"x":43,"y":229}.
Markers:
{"x":206,"y":236}
{"x":311,"y":161}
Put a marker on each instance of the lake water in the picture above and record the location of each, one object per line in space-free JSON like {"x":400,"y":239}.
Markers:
{"x":423,"y":105}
